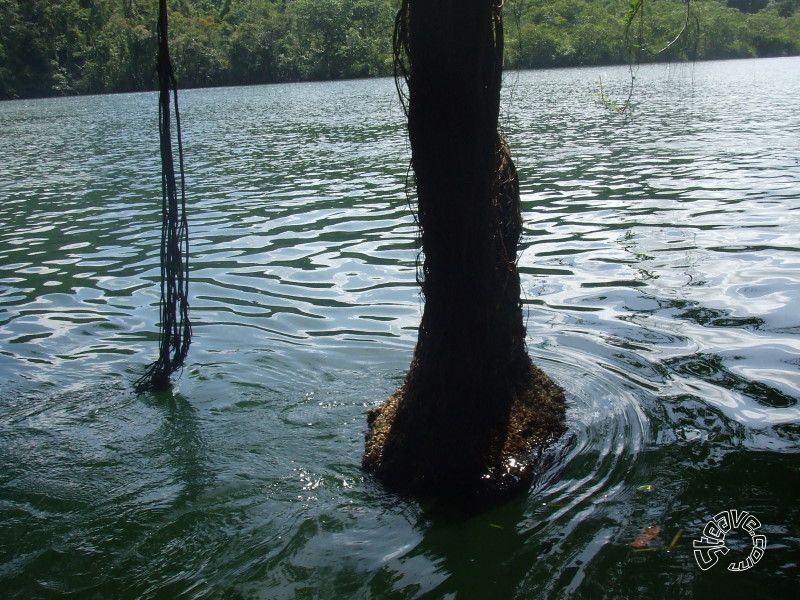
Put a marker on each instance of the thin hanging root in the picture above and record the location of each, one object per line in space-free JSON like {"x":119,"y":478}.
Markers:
{"x":176,"y":330}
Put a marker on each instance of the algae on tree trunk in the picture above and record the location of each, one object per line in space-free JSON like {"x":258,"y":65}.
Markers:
{"x":473,"y":407}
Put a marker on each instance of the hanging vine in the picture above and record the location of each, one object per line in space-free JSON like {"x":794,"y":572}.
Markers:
{"x":176,"y":330}
{"x":635,"y":43}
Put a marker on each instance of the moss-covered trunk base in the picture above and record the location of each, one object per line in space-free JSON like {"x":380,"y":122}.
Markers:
{"x":469,"y":466}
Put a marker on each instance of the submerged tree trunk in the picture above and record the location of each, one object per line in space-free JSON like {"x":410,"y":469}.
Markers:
{"x":473,"y":408}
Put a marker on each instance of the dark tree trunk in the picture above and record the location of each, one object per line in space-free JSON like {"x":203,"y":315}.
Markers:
{"x":473,"y":407}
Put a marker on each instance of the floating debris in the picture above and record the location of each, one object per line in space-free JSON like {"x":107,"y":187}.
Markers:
{"x":643,"y":539}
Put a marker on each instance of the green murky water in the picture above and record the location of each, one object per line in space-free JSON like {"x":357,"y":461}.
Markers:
{"x":661,"y":276}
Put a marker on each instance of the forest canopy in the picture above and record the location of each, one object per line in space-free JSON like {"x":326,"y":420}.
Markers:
{"x":58,"y":47}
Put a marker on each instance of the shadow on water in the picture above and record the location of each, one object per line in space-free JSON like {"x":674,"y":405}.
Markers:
{"x":180,"y":438}
{"x":458,"y":551}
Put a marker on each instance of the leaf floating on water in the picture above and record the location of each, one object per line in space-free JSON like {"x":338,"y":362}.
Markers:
{"x":645,"y":488}
{"x":647,"y":535}
{"x":675,"y":540}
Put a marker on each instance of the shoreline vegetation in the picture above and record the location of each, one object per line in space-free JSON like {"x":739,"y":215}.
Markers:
{"x":72,"y":47}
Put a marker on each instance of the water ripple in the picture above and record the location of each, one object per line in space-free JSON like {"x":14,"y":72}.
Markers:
{"x":660,"y":276}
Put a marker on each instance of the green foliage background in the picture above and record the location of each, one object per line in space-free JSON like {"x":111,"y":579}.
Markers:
{"x":53,"y":47}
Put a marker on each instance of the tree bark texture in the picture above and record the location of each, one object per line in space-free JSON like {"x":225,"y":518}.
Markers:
{"x":447,"y":427}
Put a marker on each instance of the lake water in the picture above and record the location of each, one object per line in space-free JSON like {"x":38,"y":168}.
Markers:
{"x":661,"y":277}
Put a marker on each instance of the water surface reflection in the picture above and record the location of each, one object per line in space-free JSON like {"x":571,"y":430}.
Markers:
{"x":660,"y":270}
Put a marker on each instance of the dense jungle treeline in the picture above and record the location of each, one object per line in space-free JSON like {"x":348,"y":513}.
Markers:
{"x":54,"y":47}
